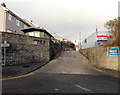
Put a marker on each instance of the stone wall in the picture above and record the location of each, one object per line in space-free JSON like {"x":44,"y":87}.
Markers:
{"x":98,"y":57}
{"x":24,"y":49}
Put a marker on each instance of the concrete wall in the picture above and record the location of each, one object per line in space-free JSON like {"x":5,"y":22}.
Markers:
{"x":22,"y":49}
{"x":99,"y":58}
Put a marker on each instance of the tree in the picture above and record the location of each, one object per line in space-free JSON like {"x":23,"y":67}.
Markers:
{"x":114,"y":27}
{"x":69,"y":43}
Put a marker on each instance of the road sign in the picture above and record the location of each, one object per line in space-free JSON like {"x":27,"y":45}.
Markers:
{"x":113,"y":52}
{"x":5,"y":45}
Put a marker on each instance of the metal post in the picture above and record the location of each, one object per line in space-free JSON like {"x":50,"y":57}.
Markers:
{"x":4,"y":54}
{"x":4,"y":46}
{"x":80,"y":40}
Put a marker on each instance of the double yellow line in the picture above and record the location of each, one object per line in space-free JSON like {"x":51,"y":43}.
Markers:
{"x":17,"y":77}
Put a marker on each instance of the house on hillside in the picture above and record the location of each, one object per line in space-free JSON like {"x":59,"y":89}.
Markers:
{"x":37,"y":32}
{"x":58,"y":37}
{"x":77,"y":44}
{"x":11,"y":22}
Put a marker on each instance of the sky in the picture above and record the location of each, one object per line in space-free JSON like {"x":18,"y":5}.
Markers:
{"x":68,"y":18}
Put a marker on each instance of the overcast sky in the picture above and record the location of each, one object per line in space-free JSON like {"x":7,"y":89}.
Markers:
{"x":67,"y":17}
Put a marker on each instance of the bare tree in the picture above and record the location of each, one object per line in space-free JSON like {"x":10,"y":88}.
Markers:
{"x":114,"y":27}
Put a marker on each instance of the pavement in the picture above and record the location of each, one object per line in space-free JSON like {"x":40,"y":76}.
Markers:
{"x":21,"y":69}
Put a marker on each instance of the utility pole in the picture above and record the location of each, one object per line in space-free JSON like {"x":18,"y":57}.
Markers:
{"x":96,"y":43}
{"x":79,"y":40}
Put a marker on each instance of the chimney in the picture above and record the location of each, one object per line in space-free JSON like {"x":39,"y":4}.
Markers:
{"x":3,"y":4}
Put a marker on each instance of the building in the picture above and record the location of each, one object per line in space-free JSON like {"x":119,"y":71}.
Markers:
{"x":10,"y":22}
{"x":77,"y":44}
{"x":37,"y":32}
{"x":96,"y":39}
{"x":58,"y":37}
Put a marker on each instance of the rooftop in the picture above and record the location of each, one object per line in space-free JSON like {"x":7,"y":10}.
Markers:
{"x":36,"y":29}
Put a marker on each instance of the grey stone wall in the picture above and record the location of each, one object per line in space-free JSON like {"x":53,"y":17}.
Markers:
{"x":98,"y":58}
{"x":22,"y":50}
{"x":55,"y":48}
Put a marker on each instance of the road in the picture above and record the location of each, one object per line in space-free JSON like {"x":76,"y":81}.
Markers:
{"x":68,"y":73}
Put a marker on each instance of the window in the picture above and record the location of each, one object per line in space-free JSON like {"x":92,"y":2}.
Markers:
{"x":42,"y":34}
{"x":85,"y":40}
{"x":10,"y":17}
{"x":17,"y":22}
{"x":36,"y":42}
{"x":37,"y":34}
{"x":42,"y":42}
{"x":31,"y":33}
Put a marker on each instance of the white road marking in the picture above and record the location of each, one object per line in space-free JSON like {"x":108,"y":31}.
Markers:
{"x":82,"y":87}
{"x":56,"y":89}
{"x":97,"y":69}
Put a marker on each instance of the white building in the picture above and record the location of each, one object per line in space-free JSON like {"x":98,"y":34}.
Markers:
{"x":77,"y":44}
{"x":92,"y":40}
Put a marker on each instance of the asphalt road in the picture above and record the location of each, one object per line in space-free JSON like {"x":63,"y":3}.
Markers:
{"x":68,"y":73}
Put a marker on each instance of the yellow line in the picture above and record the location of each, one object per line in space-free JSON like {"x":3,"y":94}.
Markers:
{"x":18,"y":76}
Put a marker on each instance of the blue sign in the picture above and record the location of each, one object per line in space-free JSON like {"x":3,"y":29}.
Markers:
{"x":113,"y":52}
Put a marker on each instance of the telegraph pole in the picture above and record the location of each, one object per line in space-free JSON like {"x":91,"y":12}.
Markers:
{"x":96,"y":43}
{"x":79,"y":40}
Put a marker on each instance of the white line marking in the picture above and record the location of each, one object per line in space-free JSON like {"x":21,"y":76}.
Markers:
{"x":97,"y":69}
{"x":82,"y":87}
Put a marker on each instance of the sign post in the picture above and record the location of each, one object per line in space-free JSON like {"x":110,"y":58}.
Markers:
{"x":5,"y":45}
